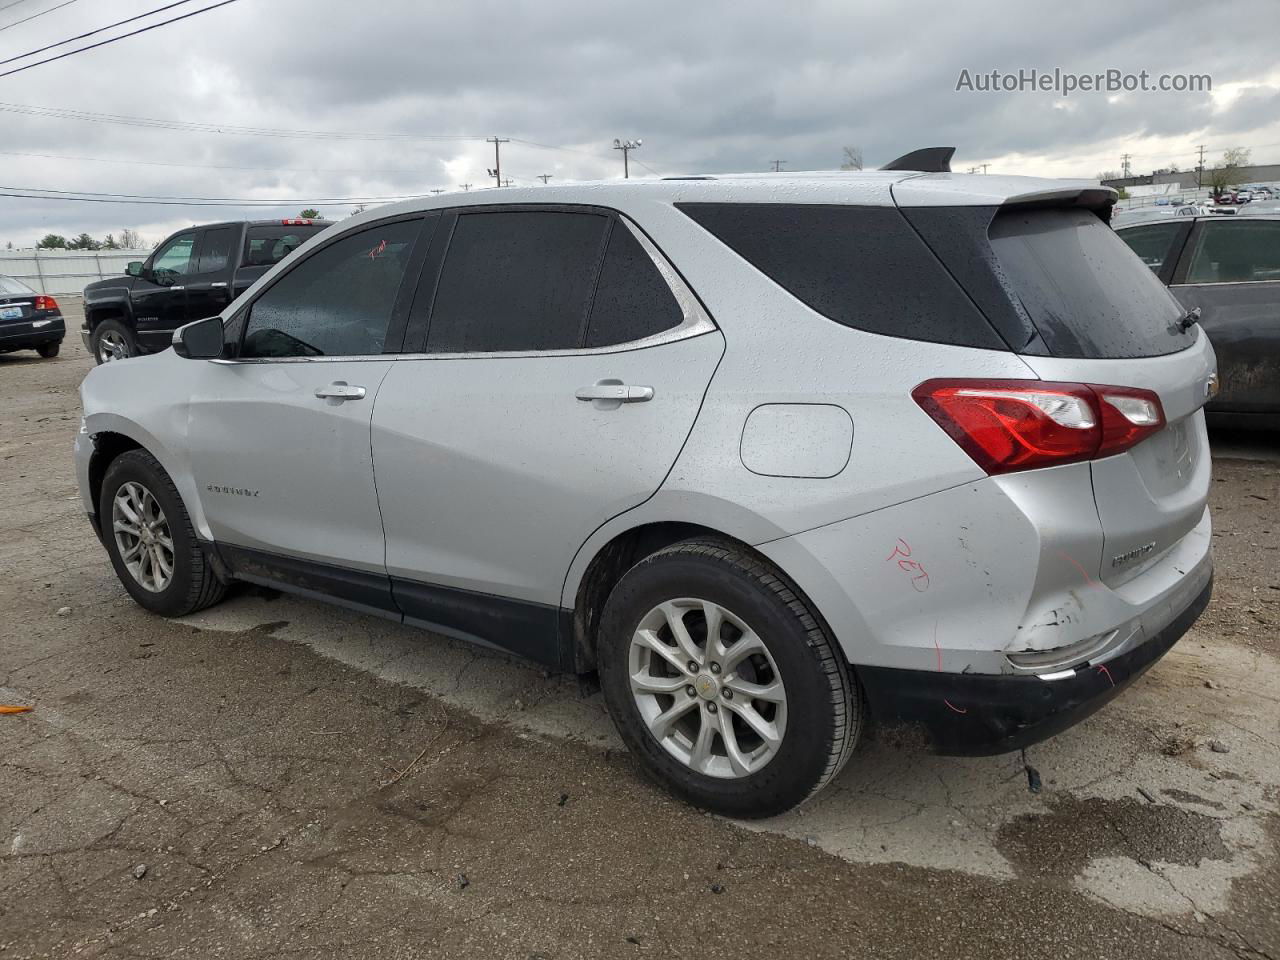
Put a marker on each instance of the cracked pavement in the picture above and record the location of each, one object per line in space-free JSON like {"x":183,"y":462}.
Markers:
{"x":302,"y":781}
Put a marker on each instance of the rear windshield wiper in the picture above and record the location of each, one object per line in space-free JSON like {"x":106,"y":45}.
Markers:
{"x":1190,"y":318}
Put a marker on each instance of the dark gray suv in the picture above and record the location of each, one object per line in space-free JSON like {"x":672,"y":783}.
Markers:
{"x":1229,"y":268}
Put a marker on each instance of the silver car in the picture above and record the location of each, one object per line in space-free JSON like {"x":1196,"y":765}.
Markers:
{"x":776,"y":458}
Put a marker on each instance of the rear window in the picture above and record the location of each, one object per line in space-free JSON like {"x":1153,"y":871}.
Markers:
{"x":265,"y":246}
{"x":863,"y":267}
{"x":10,"y":287}
{"x":1086,"y":292}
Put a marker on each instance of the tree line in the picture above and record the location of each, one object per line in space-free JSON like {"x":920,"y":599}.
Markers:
{"x":129,"y":239}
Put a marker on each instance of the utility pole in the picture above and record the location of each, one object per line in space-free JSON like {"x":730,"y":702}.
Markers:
{"x":465,"y":186}
{"x":984,"y":167}
{"x":438,"y":190}
{"x":496,"y":172}
{"x":544,"y":177}
{"x":1124,"y":160}
{"x":504,"y":183}
{"x":626,"y":146}
{"x":1200,"y":168}
{"x":777,"y":165}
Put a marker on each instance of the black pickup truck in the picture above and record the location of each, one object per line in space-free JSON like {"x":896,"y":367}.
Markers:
{"x":191,"y":275}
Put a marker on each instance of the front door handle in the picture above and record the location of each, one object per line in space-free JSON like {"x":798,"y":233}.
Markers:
{"x":614,"y":390}
{"x":340,"y":391}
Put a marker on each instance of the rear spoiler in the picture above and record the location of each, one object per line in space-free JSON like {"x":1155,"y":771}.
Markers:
{"x":1101,"y":200}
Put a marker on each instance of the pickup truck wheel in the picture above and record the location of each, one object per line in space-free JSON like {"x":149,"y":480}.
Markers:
{"x":150,"y":540}
{"x":48,"y":350}
{"x":112,"y":340}
{"x":722,"y":681}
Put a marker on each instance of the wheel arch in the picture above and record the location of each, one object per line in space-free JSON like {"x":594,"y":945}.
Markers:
{"x":114,"y":435}
{"x":627,"y":539}
{"x":109,"y":310}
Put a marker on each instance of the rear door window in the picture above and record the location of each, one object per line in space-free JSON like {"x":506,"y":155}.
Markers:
{"x":336,"y":302}
{"x":1087,"y":294}
{"x":863,"y":267}
{"x":516,"y":280}
{"x":265,"y":245}
{"x":1236,"y":251}
{"x":1153,"y":242}
{"x":633,"y":300}
{"x":216,"y":248}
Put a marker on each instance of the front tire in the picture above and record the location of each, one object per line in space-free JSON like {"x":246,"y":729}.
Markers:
{"x":49,"y":350}
{"x":150,"y":540}
{"x":723,"y":682}
{"x":112,"y":340}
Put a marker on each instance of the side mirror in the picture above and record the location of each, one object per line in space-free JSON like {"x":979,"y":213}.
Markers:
{"x":134,"y":269}
{"x":201,"y":340}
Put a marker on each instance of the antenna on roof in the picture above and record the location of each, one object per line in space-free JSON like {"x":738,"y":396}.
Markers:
{"x":926,"y":160}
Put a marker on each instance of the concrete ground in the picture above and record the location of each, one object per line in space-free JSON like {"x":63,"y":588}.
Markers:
{"x":278,"y":778}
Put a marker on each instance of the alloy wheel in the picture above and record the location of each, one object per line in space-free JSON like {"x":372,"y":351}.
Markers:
{"x":142,"y":536}
{"x":707,"y":688}
{"x":112,"y":346}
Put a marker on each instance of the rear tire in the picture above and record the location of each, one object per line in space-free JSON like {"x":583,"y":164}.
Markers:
{"x":150,"y":540}
{"x":49,"y":350}
{"x":791,"y":708}
{"x":112,"y":340}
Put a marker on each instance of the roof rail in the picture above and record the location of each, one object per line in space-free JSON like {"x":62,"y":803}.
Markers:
{"x":697,"y":177}
{"x":925,"y":160}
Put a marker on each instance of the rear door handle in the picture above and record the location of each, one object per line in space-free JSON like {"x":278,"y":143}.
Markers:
{"x":340,"y":391}
{"x":219,"y":284}
{"x":620,"y":392}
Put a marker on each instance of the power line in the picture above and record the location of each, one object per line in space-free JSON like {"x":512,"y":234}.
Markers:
{"x":34,"y":16}
{"x":13,"y":4}
{"x":209,"y":166}
{"x":123,"y":36}
{"x":118,"y":23}
{"x":63,"y":113}
{"x":41,"y":193}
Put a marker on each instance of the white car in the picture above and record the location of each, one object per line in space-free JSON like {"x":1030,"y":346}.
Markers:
{"x":776,"y":457}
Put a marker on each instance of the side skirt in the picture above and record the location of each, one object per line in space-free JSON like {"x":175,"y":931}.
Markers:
{"x":533,"y":631}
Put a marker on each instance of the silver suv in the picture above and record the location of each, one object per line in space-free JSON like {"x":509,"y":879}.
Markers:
{"x":777,"y":457}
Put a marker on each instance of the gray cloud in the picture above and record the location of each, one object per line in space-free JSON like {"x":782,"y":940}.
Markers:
{"x":709,"y":86}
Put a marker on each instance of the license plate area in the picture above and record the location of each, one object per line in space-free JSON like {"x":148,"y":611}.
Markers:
{"x":10,"y":313}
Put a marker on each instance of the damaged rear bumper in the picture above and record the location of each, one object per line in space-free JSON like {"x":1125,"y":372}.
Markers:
{"x":983,"y":714}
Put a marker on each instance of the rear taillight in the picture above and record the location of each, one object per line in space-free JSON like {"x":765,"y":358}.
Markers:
{"x":1008,"y":425}
{"x":45,"y":303}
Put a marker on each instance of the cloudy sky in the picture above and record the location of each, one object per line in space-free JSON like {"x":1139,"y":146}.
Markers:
{"x":414,"y":87}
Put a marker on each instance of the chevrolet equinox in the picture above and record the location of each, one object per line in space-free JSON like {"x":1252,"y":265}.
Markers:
{"x":776,"y":457}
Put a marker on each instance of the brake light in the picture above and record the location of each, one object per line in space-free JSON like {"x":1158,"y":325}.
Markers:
{"x":45,"y":303}
{"x":1009,"y":425}
{"x":296,"y":223}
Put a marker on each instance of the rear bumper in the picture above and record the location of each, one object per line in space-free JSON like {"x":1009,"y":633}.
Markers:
{"x":25,"y":335}
{"x":979,"y":715}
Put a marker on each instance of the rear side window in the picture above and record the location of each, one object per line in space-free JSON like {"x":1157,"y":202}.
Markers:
{"x":337,"y":302}
{"x":1087,"y":294}
{"x":632,"y":298}
{"x":863,"y":267}
{"x":266,"y":245}
{"x":1236,"y":251}
{"x":1153,"y":242}
{"x":215,"y":251}
{"x":516,"y":280}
